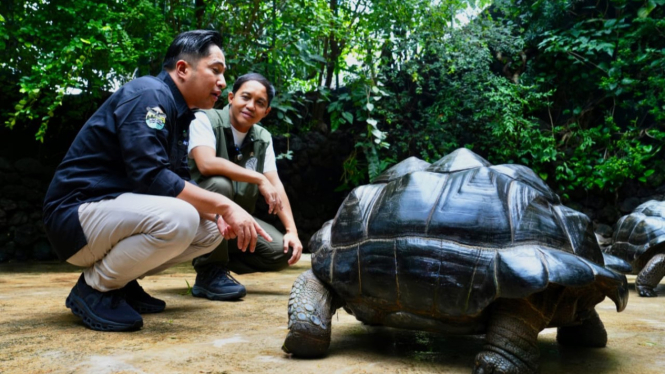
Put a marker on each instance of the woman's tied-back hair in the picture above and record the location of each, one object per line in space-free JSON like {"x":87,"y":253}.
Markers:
{"x":255,"y":77}
{"x":191,"y":46}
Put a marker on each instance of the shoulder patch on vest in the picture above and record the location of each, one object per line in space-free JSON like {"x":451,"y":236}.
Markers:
{"x":155,"y":118}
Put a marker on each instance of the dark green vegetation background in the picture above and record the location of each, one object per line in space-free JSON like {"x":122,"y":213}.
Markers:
{"x":573,"y":89}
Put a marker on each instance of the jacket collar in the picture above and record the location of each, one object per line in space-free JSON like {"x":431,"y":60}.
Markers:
{"x":181,"y":104}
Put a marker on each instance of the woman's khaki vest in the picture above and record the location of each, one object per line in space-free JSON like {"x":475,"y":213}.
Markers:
{"x":252,"y":151}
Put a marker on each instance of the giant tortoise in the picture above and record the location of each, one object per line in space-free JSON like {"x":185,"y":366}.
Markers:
{"x":462,"y":247}
{"x":639,"y":239}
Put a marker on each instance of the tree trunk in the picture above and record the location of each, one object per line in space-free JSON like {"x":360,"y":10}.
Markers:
{"x":334,"y":50}
{"x":199,"y":11}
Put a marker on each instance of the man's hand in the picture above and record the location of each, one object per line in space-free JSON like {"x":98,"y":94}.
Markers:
{"x":292,"y":240}
{"x":243,"y":226}
{"x":271,"y":195}
{"x":235,"y":222}
{"x":224,"y":229}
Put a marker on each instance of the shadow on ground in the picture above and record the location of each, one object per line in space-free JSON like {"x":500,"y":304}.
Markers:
{"x":39,"y":335}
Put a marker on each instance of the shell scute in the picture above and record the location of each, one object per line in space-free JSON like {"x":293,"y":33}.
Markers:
{"x":538,"y":225}
{"x":565,"y":269}
{"x":378,"y":270}
{"x":451,"y":239}
{"x":640,"y":235}
{"x":520,"y":273}
{"x":470,"y":210}
{"x":352,"y":217}
{"x":418,"y":269}
{"x":407,"y":166}
{"x":405,"y":205}
{"x":344,"y":274}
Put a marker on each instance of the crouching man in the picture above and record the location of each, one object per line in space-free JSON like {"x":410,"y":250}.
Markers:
{"x":233,"y":156}
{"x":121,"y":203}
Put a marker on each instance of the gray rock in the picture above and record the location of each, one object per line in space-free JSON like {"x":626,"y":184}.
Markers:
{"x":296,"y":143}
{"x":603,"y":230}
{"x":42,"y":251}
{"x":4,"y":237}
{"x":595,"y":202}
{"x":8,"y":205}
{"x":5,"y":165}
{"x":31,"y":182}
{"x":19,"y":218}
{"x":8,"y":251}
{"x":628,"y":205}
{"x":603,"y":242}
{"x":25,"y":235}
{"x":609,"y":213}
{"x":29,"y":166}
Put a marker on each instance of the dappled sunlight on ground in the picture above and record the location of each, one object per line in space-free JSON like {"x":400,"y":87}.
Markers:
{"x":39,"y":335}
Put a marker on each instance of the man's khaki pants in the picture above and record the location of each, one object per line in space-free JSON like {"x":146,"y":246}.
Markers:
{"x":136,"y":235}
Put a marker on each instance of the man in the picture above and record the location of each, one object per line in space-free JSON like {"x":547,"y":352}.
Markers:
{"x":121,"y":203}
{"x":233,"y":156}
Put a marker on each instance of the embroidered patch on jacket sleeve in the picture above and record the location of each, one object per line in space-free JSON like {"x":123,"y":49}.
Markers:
{"x":155,"y":118}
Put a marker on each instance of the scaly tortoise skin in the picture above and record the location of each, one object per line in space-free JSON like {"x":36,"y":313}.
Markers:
{"x":462,"y":247}
{"x":639,"y":239}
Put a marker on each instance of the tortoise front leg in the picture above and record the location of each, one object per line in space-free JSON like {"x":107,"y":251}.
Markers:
{"x":511,"y":339}
{"x":310,"y":312}
{"x":650,"y":276}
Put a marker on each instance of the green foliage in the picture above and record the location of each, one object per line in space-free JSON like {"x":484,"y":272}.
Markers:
{"x":606,"y":68}
{"x":96,"y":45}
{"x":357,"y":106}
{"x":575,"y":89}
{"x":86,"y":45}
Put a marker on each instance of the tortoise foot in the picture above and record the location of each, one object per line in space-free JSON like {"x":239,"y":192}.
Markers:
{"x":310,"y":311}
{"x":511,"y":339}
{"x":489,"y":362}
{"x":650,"y":276}
{"x":305,"y":345}
{"x":645,"y":291}
{"x":591,"y":333}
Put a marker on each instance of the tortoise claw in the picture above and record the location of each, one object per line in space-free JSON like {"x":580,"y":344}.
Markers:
{"x":646,"y":291}
{"x":489,"y":362}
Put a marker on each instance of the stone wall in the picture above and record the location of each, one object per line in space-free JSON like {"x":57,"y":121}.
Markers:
{"x":24,"y":183}
{"x":310,"y":180}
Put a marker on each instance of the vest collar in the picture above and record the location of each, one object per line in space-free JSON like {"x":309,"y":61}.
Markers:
{"x":226,"y":123}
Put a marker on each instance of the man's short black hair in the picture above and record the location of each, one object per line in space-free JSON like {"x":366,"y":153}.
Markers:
{"x":255,"y":77}
{"x":191,"y":46}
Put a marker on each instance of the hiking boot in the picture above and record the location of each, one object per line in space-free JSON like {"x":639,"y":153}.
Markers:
{"x":216,"y":283}
{"x":102,"y":311}
{"x":140,"y":301}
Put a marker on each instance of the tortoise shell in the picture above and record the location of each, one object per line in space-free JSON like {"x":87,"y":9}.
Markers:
{"x":449,"y":238}
{"x":640,"y":235}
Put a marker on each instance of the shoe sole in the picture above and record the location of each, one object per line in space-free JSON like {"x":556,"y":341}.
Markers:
{"x":202,"y":292}
{"x":81,"y":310}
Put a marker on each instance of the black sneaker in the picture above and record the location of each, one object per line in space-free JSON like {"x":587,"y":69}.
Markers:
{"x":102,"y":311}
{"x":216,"y":283}
{"x":140,"y":301}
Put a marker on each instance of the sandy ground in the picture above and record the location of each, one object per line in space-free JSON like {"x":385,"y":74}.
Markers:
{"x":39,"y":335}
